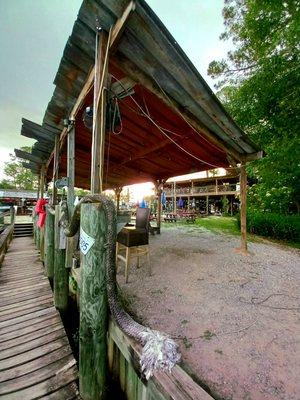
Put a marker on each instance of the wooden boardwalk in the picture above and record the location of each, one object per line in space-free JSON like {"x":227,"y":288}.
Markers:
{"x":36,"y":360}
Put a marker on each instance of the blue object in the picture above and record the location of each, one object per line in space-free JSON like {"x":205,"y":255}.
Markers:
{"x":163,"y":199}
{"x":143,"y":204}
{"x":180,"y":203}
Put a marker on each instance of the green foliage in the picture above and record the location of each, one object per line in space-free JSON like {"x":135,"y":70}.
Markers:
{"x":225,"y":205}
{"x":18,"y":177}
{"x":259,"y":84}
{"x":275,"y":226}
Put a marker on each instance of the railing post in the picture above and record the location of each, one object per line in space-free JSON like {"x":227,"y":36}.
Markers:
{"x":93,"y":305}
{"x":49,"y":244}
{"x":61,"y":274}
{"x":12,"y":215}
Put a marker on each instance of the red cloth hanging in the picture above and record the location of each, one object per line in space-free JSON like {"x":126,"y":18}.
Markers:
{"x":40,"y":210}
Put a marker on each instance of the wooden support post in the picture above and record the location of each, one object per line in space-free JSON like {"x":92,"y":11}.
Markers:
{"x":12,"y":215}
{"x":174,"y":199}
{"x":38,"y":186}
{"x":71,"y":167}
{"x":243,"y":207}
{"x":159,"y":187}
{"x":207,"y":205}
{"x":231,"y":206}
{"x":99,"y":109}
{"x":61,"y":274}
{"x":93,"y":307}
{"x":49,"y":244}
{"x":118,"y":191}
{"x":55,"y":169}
{"x":42,"y":181}
{"x":71,"y":193}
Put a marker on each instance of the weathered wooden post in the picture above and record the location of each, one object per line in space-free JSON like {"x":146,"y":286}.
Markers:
{"x":159,"y":187}
{"x":118,"y":191}
{"x":93,"y":304}
{"x":61,"y":274}
{"x":12,"y":215}
{"x":174,"y":198}
{"x":41,"y":230}
{"x":55,"y":169}
{"x":243,"y":205}
{"x":70,"y":194}
{"x":49,"y":243}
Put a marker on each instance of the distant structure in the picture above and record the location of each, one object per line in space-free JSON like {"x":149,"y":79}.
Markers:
{"x":204,"y":195}
{"x":18,"y":197}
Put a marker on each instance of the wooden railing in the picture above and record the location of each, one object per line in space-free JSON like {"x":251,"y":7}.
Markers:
{"x":7,"y":233}
{"x":188,"y":191}
{"x":123,"y":361}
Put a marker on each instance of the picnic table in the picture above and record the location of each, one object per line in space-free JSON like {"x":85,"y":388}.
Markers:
{"x":190,"y":217}
{"x":170,"y":217}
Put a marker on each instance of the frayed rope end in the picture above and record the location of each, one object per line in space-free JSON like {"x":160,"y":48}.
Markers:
{"x":160,"y":353}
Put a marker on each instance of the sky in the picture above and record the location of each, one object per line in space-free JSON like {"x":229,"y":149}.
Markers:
{"x":33,"y":34}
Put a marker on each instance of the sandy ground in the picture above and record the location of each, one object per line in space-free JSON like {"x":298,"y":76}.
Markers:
{"x":236,"y":318}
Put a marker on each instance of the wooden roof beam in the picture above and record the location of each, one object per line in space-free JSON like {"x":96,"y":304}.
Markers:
{"x":135,"y":73}
{"x":27,"y":156}
{"x":115,"y":36}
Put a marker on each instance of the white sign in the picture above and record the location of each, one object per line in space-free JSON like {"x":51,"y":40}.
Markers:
{"x":85,"y":242}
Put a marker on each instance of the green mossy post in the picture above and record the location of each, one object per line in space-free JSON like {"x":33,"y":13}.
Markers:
{"x":49,"y":244}
{"x":93,"y":307}
{"x":61,"y":274}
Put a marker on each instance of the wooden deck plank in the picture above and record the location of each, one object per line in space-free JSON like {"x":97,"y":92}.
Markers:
{"x":19,"y":313}
{"x":33,"y":344}
{"x":34,"y":365}
{"x":15,"y":341}
{"x":43,"y":388}
{"x":40,"y":375}
{"x":36,"y":360}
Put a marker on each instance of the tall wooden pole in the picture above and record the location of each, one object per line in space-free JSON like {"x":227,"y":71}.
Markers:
{"x":55,"y":169}
{"x":243,"y":206}
{"x":175,"y":202}
{"x":93,"y":307}
{"x":71,"y":193}
{"x":98,"y":139}
{"x":159,"y":192}
{"x":61,"y":274}
{"x":42,"y":181}
{"x":49,"y":244}
{"x":118,"y":191}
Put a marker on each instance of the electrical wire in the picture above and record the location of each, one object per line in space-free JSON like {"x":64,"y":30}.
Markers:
{"x":164,"y":133}
{"x":183,"y":117}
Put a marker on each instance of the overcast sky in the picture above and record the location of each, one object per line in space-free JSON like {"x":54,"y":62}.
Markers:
{"x":33,"y":34}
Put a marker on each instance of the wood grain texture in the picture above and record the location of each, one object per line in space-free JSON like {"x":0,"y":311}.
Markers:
{"x":61,"y":274}
{"x":36,"y":360}
{"x":49,"y":245}
{"x":124,"y":355}
{"x":93,"y":307}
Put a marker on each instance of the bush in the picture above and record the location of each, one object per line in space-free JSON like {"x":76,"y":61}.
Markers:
{"x":276,"y":226}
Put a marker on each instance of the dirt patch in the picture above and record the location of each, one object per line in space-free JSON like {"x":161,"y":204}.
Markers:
{"x":235,"y":317}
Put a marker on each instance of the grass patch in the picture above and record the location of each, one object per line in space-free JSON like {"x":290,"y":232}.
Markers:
{"x":219,"y":224}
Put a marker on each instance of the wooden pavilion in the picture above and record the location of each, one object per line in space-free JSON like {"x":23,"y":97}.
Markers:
{"x":130,"y":107}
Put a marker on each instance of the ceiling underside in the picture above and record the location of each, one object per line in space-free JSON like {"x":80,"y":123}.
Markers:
{"x":171,"y":124}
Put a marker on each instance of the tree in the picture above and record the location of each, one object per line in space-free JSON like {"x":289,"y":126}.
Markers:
{"x":17,"y":176}
{"x":259,"y":84}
